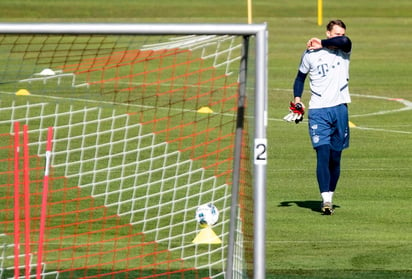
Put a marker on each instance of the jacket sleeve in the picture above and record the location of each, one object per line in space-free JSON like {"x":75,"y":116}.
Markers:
{"x":299,"y":84}
{"x":341,"y":42}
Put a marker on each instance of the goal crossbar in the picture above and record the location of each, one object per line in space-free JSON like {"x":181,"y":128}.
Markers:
{"x":132,"y":29}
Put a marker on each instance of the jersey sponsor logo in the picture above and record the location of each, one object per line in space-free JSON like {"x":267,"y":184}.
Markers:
{"x":323,"y":69}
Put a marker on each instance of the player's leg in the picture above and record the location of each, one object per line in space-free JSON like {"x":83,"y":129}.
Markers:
{"x":323,"y":174}
{"x":339,"y":141}
{"x":334,"y":169}
{"x":320,"y":131}
{"x":322,"y":167}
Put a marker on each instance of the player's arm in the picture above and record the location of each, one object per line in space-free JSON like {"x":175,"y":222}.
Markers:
{"x":298,"y":86}
{"x":297,"y":109}
{"x":340,"y":42}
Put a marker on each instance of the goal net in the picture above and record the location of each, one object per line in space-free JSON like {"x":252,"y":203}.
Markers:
{"x":148,"y":123}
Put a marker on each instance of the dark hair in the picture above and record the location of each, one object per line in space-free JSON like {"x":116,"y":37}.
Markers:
{"x":332,"y":23}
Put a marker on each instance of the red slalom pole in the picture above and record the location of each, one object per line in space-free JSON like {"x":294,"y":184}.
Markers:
{"x":16,"y":200}
{"x":44,"y":202}
{"x":26,"y":184}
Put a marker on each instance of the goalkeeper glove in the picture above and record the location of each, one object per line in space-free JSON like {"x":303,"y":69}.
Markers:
{"x":296,"y":112}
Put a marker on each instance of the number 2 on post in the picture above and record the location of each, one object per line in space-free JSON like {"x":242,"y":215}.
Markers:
{"x":260,"y":151}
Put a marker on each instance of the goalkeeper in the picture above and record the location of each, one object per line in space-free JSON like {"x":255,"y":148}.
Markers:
{"x":327,"y":63}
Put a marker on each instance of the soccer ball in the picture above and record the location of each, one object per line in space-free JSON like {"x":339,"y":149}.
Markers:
{"x":207,"y":215}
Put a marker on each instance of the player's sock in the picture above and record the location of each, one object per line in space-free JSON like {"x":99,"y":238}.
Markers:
{"x":331,"y":196}
{"x":326,"y":197}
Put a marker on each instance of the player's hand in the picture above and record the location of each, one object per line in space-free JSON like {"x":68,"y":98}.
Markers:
{"x":314,"y":43}
{"x":296,"y":112}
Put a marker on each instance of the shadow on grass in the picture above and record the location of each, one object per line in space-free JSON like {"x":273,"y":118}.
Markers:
{"x":312,"y":205}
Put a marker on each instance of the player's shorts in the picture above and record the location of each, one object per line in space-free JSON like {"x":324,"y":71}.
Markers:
{"x":330,"y":126}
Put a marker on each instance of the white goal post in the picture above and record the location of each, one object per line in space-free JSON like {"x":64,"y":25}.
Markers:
{"x":253,"y":59}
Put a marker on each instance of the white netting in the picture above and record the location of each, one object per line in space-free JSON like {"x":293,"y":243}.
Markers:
{"x":131,"y":151}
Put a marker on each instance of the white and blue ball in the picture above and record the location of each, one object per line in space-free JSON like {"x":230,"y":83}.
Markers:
{"x":207,"y":215}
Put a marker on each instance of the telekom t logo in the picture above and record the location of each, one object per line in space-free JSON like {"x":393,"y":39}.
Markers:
{"x":323,"y":69}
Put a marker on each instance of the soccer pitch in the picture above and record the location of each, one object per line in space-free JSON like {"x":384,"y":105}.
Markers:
{"x":370,"y":235}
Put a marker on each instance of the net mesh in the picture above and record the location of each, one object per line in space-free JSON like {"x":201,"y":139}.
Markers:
{"x":144,"y":131}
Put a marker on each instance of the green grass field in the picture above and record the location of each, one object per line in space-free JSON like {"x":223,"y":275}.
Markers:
{"x":370,"y":236}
